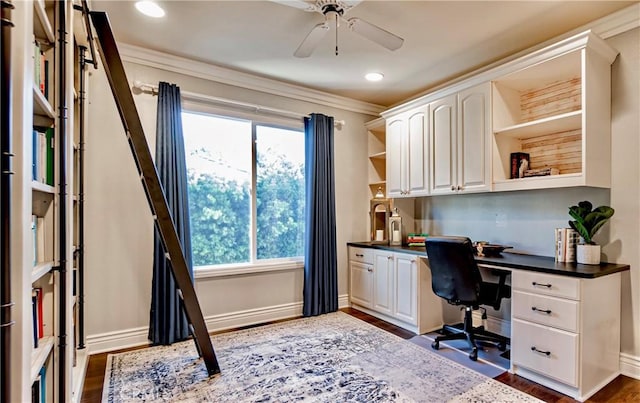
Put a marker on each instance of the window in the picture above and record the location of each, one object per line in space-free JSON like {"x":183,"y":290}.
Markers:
{"x":246,"y":190}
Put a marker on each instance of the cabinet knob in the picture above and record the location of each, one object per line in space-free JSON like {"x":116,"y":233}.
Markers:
{"x":389,"y":257}
{"x":369,"y":269}
{"x":459,"y":187}
{"x":453,"y":188}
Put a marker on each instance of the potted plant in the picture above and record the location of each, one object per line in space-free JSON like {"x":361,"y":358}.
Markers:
{"x":587,"y":223}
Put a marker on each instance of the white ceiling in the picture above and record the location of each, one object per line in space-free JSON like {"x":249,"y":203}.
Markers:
{"x":442,"y":39}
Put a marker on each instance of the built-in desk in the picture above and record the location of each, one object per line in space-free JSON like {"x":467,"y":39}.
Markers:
{"x":565,"y":317}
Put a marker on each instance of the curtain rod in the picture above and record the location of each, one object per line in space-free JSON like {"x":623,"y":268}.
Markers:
{"x":192,"y":96}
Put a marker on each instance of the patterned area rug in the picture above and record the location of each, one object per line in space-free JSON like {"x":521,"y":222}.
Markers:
{"x":329,"y":358}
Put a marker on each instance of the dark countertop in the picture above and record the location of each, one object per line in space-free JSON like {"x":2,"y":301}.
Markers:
{"x":543,"y":264}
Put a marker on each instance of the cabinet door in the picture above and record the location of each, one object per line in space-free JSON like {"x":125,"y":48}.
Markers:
{"x":361,"y":284}
{"x":474,"y":135}
{"x":396,"y":170}
{"x":383,"y":282}
{"x":443,"y":150}
{"x":417,"y":152}
{"x":405,"y":307}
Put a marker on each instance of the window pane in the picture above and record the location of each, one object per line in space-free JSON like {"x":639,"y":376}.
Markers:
{"x":218,"y":154}
{"x":280,"y":192}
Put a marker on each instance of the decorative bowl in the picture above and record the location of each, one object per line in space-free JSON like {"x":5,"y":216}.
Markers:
{"x":487,"y":249}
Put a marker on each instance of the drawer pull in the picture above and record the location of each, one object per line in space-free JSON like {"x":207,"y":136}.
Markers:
{"x":369,"y":269}
{"x":540,"y":285}
{"x":547,"y":311}
{"x":547,"y":353}
{"x":359,"y":255}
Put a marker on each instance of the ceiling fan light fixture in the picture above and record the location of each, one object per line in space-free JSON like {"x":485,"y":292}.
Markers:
{"x":150,"y":8}
{"x":374,"y":76}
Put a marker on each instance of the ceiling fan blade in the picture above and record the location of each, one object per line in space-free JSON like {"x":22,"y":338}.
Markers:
{"x":299,"y":4}
{"x":312,"y":40}
{"x":375,"y":34}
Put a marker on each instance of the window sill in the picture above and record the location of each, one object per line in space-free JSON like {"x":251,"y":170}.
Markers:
{"x":246,"y":268}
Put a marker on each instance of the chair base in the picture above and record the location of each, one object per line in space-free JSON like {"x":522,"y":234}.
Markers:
{"x":471,"y":335}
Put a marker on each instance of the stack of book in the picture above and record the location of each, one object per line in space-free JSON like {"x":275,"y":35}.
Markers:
{"x":541,"y":172}
{"x":566,"y":242}
{"x":414,"y":239}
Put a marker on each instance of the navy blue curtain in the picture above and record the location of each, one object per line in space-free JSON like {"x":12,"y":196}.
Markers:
{"x":168,"y":321}
{"x":320,"y":294}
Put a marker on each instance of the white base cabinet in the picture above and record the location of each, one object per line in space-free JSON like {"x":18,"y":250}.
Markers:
{"x":565,"y":331}
{"x":395,"y":287}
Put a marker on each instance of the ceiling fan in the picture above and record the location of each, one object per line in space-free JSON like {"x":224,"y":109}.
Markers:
{"x":333,"y":11}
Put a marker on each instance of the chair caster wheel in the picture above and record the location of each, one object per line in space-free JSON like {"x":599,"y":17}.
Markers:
{"x":473,"y":356}
{"x":502,"y":346}
{"x":435,"y":345}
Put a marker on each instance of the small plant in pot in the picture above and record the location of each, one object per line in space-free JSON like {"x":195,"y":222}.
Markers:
{"x":587,"y":222}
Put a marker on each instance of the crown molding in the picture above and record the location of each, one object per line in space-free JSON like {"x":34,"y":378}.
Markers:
{"x":181,"y":65}
{"x":613,"y":24}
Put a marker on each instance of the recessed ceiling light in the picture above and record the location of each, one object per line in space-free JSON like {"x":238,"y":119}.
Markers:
{"x":374,"y":76}
{"x":150,"y":8}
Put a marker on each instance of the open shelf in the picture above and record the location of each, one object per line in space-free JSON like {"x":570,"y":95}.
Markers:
{"x":378,"y":156}
{"x":540,"y":127}
{"x":79,"y":372}
{"x":41,"y":106}
{"x":39,"y":355}
{"x":42,"y":28}
{"x":39,"y":270}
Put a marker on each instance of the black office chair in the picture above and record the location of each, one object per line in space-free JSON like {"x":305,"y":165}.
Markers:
{"x":455,"y":277}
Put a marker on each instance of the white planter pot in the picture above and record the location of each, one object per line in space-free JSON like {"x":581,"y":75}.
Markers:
{"x":588,"y":254}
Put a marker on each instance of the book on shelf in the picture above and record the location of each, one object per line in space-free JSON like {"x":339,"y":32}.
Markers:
{"x":43,"y":158}
{"x":566,"y":240}
{"x":519,"y":163}
{"x":49,"y":143}
{"x":39,"y":387}
{"x":34,"y":237}
{"x":36,"y":390}
{"x":541,"y":172}
{"x":38,"y":234}
{"x":43,"y":384}
{"x":37,"y":313}
{"x":40,"y":68}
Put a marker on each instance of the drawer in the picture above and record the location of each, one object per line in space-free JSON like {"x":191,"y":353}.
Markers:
{"x":545,"y":310}
{"x":363,"y":255}
{"x":547,"y":284}
{"x":550,"y":352}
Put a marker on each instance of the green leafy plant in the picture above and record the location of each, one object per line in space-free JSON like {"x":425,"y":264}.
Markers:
{"x":587,"y":221}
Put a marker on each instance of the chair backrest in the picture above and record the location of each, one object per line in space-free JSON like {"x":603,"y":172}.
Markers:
{"x":454,"y":273}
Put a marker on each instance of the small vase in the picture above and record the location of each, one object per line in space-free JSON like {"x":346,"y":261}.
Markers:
{"x":588,"y":254}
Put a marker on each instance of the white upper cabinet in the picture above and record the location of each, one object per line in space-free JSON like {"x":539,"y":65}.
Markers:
{"x":553,"y":105}
{"x":460,"y":142}
{"x":556,"y":107}
{"x":407,"y":154}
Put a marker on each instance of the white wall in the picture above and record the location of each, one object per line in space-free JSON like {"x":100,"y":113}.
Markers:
{"x":526,"y":220}
{"x":119,"y":237}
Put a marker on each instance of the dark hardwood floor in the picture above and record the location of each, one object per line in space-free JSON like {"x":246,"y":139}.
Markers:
{"x":622,"y":389}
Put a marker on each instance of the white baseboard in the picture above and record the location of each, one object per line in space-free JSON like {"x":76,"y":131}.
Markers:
{"x":126,"y":338}
{"x":630,"y":365}
{"x":110,"y":341}
{"x":260,"y":315}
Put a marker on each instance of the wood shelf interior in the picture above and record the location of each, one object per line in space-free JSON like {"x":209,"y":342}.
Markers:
{"x":42,"y":28}
{"x":543,"y":90}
